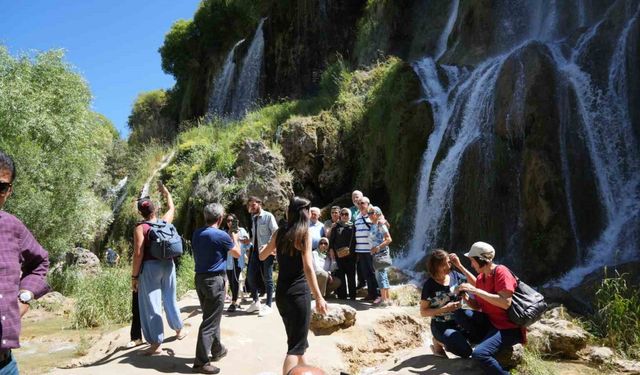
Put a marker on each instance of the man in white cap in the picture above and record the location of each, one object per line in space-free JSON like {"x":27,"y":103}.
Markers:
{"x":492,"y":293}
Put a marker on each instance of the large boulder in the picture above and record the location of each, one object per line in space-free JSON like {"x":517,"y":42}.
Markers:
{"x":338,"y":317}
{"x":84,"y":260}
{"x":264,"y":175}
{"x":556,"y":336}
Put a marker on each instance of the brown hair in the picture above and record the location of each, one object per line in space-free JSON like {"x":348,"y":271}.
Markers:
{"x":435,"y":260}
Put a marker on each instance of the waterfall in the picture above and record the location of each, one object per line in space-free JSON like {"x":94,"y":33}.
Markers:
{"x":463,"y":108}
{"x":119,"y":193}
{"x":613,"y":150}
{"x":222,"y":85}
{"x":444,"y":37}
{"x":471,"y":105}
{"x":246,"y":91}
{"x":165,"y":161}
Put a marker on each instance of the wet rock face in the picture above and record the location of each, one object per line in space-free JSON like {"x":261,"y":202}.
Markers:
{"x":265,"y":176}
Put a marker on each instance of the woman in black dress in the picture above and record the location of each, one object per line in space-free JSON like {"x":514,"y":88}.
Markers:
{"x":291,"y":245}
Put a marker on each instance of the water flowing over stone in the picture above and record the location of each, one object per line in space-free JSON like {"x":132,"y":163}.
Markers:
{"x":247,"y":88}
{"x":219,"y":99}
{"x":163,"y":164}
{"x":592,"y":104}
{"x":120,"y":194}
{"x":444,"y":37}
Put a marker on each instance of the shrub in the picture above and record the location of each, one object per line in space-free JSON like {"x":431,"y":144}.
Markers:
{"x":532,"y":364}
{"x":185,"y":274}
{"x":66,"y":280}
{"x":617,"y":319}
{"x":103,"y":299}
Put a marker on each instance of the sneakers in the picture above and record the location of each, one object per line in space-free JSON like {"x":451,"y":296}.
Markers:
{"x":231,"y":308}
{"x":133,"y":343}
{"x":265,"y":310}
{"x":255,"y":306}
{"x":377,"y":301}
{"x":206,"y":369}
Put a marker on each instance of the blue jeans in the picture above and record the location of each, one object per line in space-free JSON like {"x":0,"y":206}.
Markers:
{"x":10,"y":368}
{"x":382,"y":278}
{"x":157,"y":288}
{"x":495,"y":340}
{"x":263,"y":269}
{"x":451,"y":334}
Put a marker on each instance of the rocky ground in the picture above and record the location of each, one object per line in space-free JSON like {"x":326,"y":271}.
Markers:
{"x":388,"y":340}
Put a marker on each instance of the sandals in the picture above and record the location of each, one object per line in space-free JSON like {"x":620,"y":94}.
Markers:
{"x":154,"y":349}
{"x":182,"y":333}
{"x":133,"y":343}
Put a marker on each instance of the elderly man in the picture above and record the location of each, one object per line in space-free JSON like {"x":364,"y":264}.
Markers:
{"x":23,"y":270}
{"x":262,"y":228}
{"x":316,"y":228}
{"x":355,"y":198}
{"x":363,"y":249}
{"x":210,"y":248}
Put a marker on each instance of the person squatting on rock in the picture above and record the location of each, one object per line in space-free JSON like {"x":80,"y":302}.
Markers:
{"x":263,"y":226}
{"x":342,"y":247}
{"x":324,"y":267}
{"x":492,"y":291}
{"x":23,"y":270}
{"x":154,"y":279}
{"x":440,"y":302}
{"x":211,"y":246}
{"x":292,"y":246}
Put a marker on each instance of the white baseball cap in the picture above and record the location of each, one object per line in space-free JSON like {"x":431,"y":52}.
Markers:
{"x":481,"y":250}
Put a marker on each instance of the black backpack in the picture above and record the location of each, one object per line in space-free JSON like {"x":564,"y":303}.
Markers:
{"x":163,"y":239}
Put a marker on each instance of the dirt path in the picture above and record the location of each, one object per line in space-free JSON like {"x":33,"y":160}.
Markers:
{"x":257,"y":345}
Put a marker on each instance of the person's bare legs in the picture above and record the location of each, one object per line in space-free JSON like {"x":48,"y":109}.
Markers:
{"x":291,"y":361}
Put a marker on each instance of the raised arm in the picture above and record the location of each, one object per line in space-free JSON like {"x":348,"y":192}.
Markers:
{"x":171,"y":209}
{"x":310,"y":275}
{"x":455,"y":260}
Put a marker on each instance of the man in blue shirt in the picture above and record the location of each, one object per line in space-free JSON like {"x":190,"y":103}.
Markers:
{"x":316,"y":228}
{"x":210,"y":247}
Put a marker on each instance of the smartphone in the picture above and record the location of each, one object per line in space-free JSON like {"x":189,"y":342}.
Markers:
{"x":234,"y":226}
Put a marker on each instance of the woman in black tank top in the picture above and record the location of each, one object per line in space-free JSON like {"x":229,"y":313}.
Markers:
{"x":293,"y":245}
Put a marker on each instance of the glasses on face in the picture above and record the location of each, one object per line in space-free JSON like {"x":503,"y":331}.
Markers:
{"x":322,"y":243}
{"x":4,"y":187}
{"x":229,"y":220}
{"x":371,"y":212}
{"x":344,"y":214}
{"x":363,"y":203}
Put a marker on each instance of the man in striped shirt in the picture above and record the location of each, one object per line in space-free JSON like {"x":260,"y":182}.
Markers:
{"x":362,"y":246}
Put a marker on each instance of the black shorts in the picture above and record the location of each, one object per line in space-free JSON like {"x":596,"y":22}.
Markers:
{"x":295,"y":311}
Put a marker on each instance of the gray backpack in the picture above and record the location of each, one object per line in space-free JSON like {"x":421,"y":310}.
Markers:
{"x":163,"y":239}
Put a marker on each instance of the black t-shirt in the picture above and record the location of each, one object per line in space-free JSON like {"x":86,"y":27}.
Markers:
{"x":439,"y":295}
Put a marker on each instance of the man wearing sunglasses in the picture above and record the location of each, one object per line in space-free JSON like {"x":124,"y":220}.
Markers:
{"x":23,"y":270}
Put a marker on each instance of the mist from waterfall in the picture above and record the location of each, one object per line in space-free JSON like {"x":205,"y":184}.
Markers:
{"x":463,"y":108}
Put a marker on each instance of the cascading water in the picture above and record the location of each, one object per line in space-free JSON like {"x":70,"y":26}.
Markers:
{"x":246,"y":90}
{"x":463,"y":110}
{"x":222,"y":86}
{"x":444,"y":37}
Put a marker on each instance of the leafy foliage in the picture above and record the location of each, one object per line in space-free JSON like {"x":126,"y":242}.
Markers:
{"x":149,"y":119}
{"x":103,"y":299}
{"x":59,"y":145}
{"x":617,"y":319}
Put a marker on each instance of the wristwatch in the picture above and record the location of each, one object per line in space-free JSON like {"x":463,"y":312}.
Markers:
{"x":25,"y":296}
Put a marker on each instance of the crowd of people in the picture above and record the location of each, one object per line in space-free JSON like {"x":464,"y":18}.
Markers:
{"x":347,"y":252}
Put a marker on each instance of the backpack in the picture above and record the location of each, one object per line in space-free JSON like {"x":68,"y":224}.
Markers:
{"x":163,"y":239}
{"x":527,"y":305}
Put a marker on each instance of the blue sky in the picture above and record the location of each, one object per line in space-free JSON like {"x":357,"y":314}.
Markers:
{"x":113,"y":44}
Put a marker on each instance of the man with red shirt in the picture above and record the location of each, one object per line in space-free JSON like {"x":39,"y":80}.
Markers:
{"x":492,"y":293}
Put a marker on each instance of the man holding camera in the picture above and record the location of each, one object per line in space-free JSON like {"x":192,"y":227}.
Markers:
{"x":210,"y":248}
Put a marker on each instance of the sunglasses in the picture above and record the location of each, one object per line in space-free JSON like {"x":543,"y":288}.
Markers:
{"x":5,"y":186}
{"x":344,"y":214}
{"x":322,"y":243}
{"x":371,"y":212}
{"x":363,"y":203}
